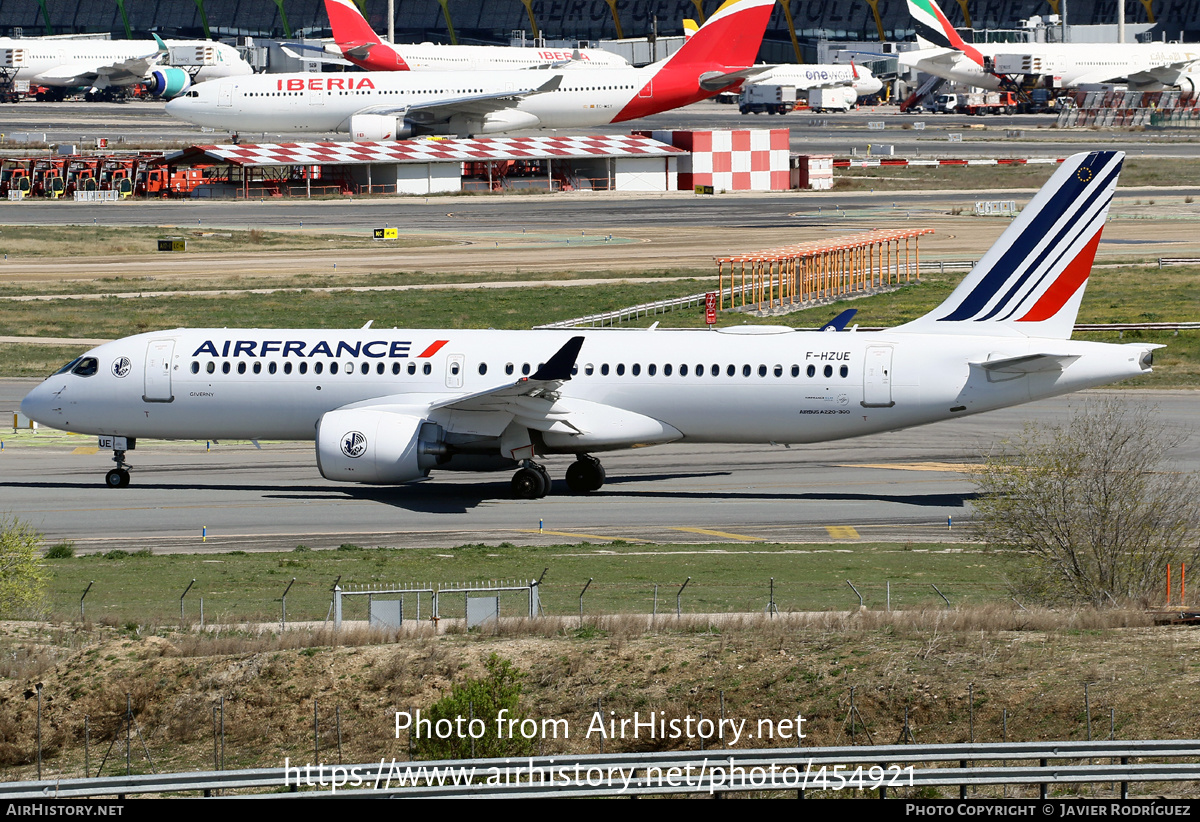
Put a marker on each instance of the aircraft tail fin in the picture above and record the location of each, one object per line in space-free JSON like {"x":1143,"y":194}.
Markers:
{"x":935,"y":31}
{"x":355,"y":37}
{"x":730,"y":37}
{"x":1031,"y":281}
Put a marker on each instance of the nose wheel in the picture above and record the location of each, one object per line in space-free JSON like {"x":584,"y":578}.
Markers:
{"x":532,"y":481}
{"x":119,"y":476}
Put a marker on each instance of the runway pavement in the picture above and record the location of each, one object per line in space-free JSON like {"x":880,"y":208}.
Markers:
{"x":895,"y":487}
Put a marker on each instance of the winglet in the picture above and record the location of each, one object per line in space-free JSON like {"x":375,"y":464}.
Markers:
{"x":162,"y":47}
{"x":550,"y":85}
{"x":559,"y":366}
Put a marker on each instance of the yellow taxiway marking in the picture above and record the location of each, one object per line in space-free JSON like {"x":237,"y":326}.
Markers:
{"x":842,"y":531}
{"x":960,"y":467}
{"x":725,"y":534}
{"x":584,"y":536}
{"x":86,"y":449}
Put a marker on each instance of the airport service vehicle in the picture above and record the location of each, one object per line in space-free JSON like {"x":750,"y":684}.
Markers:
{"x":103,"y":66}
{"x":16,"y":174}
{"x":376,"y":106}
{"x":357,"y":42}
{"x":1146,"y":66}
{"x":392,"y":406}
{"x":988,"y":102}
{"x":767,"y":99}
{"x":163,"y":181}
{"x":831,"y":99}
{"x":946,"y":103}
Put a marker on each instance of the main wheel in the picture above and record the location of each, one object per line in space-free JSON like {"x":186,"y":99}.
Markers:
{"x":117,"y":478}
{"x":530,"y":483}
{"x":541,"y":469}
{"x":584,"y":475}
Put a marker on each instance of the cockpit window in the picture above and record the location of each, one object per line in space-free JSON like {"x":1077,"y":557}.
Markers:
{"x":67,"y":367}
{"x":87,"y":367}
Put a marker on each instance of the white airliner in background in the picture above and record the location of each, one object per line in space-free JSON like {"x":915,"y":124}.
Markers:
{"x":390,"y":406}
{"x":377,"y":106}
{"x":1145,"y":66}
{"x":806,"y":76}
{"x":64,"y":63}
{"x":357,"y":42}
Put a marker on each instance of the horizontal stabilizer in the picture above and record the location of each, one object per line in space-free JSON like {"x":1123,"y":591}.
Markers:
{"x":1029,"y":363}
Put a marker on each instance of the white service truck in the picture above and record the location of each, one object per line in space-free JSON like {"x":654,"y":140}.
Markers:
{"x":765,"y":98}
{"x":836,"y":98}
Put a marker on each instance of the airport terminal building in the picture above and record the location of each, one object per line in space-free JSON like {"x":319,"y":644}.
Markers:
{"x":494,"y":21}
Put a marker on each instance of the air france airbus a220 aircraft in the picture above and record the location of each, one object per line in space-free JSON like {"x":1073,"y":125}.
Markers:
{"x":388,"y":407}
{"x":389,"y":105}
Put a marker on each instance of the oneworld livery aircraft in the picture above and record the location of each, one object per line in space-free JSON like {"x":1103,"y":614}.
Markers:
{"x":391,"y":105}
{"x":390,"y":406}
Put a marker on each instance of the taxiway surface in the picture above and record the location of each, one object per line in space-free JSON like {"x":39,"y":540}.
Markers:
{"x":893,"y":487}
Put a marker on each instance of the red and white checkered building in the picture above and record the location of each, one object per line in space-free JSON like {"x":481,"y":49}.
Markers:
{"x":741,"y":160}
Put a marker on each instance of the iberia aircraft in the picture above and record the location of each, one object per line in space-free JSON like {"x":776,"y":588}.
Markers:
{"x":357,"y":42}
{"x":391,"y":105}
{"x":389,"y":407}
{"x":1144,"y":66}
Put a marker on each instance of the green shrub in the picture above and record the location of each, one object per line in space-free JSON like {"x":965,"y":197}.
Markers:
{"x":63,"y":550}
{"x":482,"y":699}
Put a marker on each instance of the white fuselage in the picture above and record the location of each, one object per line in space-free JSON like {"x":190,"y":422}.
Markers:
{"x":1069,"y":64}
{"x":822,"y":76}
{"x":437,"y":57}
{"x":698,"y":386}
{"x":72,"y":63}
{"x":324,"y":103}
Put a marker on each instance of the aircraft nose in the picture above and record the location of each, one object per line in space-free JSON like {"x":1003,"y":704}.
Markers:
{"x":36,"y":404}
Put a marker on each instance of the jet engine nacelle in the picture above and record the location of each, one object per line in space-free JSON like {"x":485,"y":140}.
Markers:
{"x":1189,"y":82}
{"x":168,"y":83}
{"x":375,"y":128}
{"x":383,"y":447}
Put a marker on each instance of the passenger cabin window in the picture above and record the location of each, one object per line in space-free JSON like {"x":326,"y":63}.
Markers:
{"x":428,"y":369}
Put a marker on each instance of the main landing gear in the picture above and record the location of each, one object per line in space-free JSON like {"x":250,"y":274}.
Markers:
{"x":119,"y":476}
{"x":532,"y":480}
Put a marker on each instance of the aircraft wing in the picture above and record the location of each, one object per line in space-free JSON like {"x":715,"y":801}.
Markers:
{"x":543,"y":384}
{"x":478,"y":104}
{"x":127,"y":72}
{"x":304,"y":51}
{"x":717,"y":80}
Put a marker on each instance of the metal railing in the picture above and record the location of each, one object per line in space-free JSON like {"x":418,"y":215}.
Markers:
{"x":879,"y":768}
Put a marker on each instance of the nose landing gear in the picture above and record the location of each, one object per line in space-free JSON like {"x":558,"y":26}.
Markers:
{"x":119,"y":476}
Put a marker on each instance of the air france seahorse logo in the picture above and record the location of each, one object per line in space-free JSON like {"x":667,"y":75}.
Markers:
{"x":354,"y":444}
{"x":121,"y":367}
